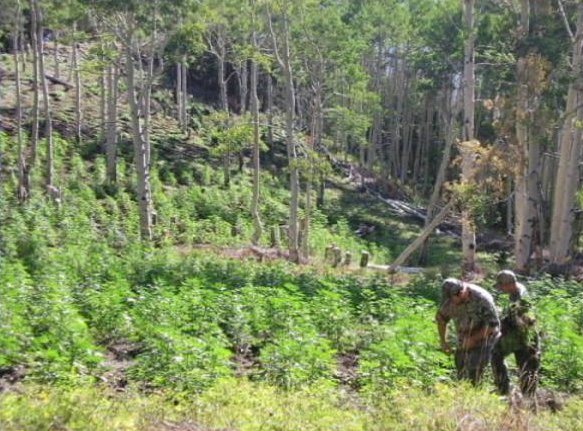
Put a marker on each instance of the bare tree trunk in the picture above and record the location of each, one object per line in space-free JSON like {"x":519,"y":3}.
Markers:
{"x":103,"y":105}
{"x":243,"y":89}
{"x":222,"y":80}
{"x":225,"y":107}
{"x":36,"y":84}
{"x":284,"y":60}
{"x":184,"y":93}
{"x":526,"y":199}
{"x":147,"y":95}
{"x":257,"y":225}
{"x":78,"y":115}
{"x":178,"y":91}
{"x":315,"y":138}
{"x":111,"y":143}
{"x":49,"y":180}
{"x":448,"y":120}
{"x":402,"y":258}
{"x":140,"y":150}
{"x":23,"y":184}
{"x":468,"y":230}
{"x":567,"y":180}
{"x":406,"y":154}
{"x":377,"y":119}
{"x":270,"y":115}
{"x":56,"y":53}
{"x":398,"y":120}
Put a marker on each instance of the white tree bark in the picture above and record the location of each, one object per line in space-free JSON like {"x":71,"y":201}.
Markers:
{"x":257,"y":225}
{"x":402,"y":258}
{"x":527,"y":196}
{"x":178,"y":91}
{"x":111,"y":130}
{"x":140,"y":144}
{"x":49,"y":179}
{"x":468,"y":230}
{"x":78,"y":113}
{"x":23,"y":185}
{"x":284,"y":60}
{"x":567,"y":179}
{"x":36,"y":84}
{"x":243,"y":87}
{"x":184,"y":94}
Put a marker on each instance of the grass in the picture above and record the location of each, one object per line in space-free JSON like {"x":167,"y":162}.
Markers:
{"x":247,"y":406}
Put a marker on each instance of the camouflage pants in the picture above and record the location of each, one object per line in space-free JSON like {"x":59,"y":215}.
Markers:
{"x":525,"y":346}
{"x":471,"y":364}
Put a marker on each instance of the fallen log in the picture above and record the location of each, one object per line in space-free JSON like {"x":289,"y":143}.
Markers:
{"x":402,"y":269}
{"x":422,"y":237}
{"x":58,"y":81}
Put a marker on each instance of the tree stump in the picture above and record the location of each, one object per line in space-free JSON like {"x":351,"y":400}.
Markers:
{"x":364,"y":257}
{"x":275,"y":238}
{"x":347,"y":258}
{"x":329,"y":254}
{"x":337,"y":257}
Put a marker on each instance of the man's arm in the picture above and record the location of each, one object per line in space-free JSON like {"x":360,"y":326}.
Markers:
{"x":442,"y":321}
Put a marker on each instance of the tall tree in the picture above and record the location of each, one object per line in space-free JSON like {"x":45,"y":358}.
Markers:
{"x":23,"y":180}
{"x":567,"y":178}
{"x":49,"y":175}
{"x":468,"y":230}
{"x":282,"y":52}
{"x":255,"y":213}
{"x":530,"y":79}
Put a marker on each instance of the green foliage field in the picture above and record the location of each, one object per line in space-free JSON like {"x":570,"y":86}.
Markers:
{"x":109,"y":333}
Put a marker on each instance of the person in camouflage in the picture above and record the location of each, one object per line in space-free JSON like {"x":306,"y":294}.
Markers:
{"x":519,"y":336}
{"x":476,"y":319}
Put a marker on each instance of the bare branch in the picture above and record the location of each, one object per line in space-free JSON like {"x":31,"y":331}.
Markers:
{"x":566,"y":21}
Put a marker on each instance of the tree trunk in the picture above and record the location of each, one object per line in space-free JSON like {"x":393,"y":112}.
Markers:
{"x":243,"y":77}
{"x":448,"y":120}
{"x":468,"y":230}
{"x":140,"y":150}
{"x":407,"y":131}
{"x":49,"y":179}
{"x":225,"y":107}
{"x":56,"y":53}
{"x":270,"y":116}
{"x":179,"y":110}
{"x":23,"y":185}
{"x":402,"y":258}
{"x":36,"y":84}
{"x":377,"y":116}
{"x":398,"y":120}
{"x":184,"y":104}
{"x":567,"y":179}
{"x":147,"y":96}
{"x":526,"y":198}
{"x":78,"y":115}
{"x":257,"y":225}
{"x":290,"y":103}
{"x":111,"y":142}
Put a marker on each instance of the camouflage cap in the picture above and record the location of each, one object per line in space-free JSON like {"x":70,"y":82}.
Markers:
{"x":451,"y":286}
{"x":505,"y":277}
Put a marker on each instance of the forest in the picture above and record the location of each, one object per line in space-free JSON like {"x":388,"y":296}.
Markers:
{"x":239,"y":214}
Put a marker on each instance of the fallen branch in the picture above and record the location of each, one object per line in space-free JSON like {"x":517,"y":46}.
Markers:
{"x":422,"y":237}
{"x":58,"y":81}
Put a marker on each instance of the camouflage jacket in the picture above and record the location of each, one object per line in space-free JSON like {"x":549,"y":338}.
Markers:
{"x":477,"y":312}
{"x":518,"y":314}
